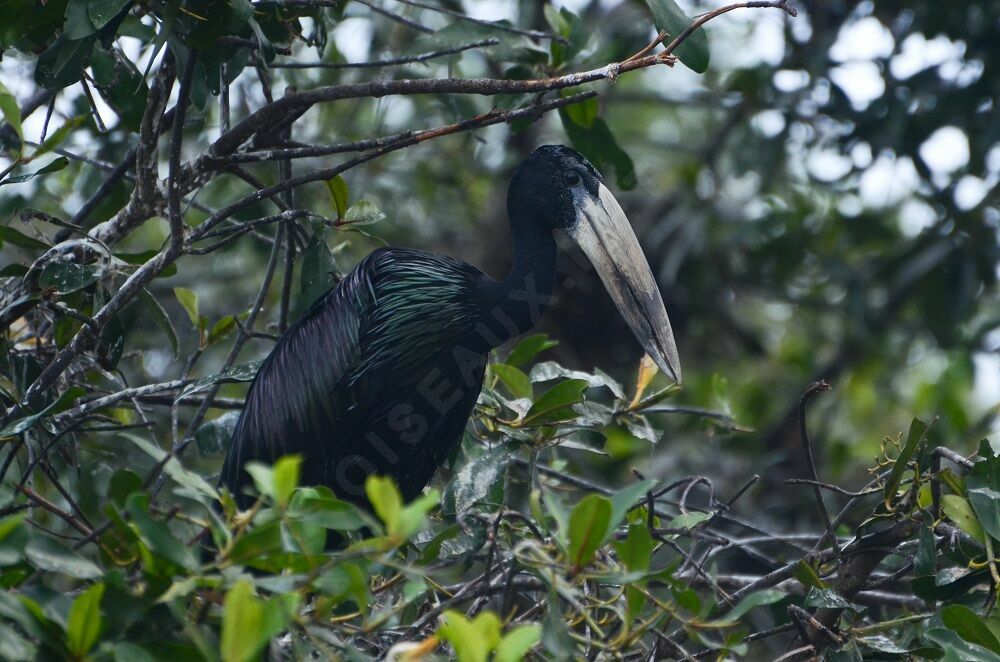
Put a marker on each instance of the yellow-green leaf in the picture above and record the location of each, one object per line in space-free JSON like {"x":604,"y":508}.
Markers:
{"x":83,"y":624}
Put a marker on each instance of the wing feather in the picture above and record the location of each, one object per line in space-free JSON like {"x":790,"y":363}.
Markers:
{"x":359,"y":351}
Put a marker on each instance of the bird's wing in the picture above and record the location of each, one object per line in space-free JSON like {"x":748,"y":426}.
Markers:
{"x":347,"y":360}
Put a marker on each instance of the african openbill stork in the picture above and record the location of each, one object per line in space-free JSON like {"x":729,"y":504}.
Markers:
{"x":381,"y":374}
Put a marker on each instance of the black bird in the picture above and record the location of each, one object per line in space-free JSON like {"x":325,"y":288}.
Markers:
{"x":382,"y":372}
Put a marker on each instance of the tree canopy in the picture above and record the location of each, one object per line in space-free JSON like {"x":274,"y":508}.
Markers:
{"x":814,"y":185}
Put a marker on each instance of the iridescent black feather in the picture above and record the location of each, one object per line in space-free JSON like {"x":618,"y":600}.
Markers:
{"x":379,"y":376}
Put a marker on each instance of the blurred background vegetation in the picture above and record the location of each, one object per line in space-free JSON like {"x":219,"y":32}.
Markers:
{"x":819,"y":204}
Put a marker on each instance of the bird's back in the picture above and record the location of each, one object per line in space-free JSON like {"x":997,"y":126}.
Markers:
{"x":379,"y":376}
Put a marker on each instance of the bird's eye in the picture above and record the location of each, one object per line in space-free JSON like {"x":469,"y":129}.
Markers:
{"x":571,"y":178}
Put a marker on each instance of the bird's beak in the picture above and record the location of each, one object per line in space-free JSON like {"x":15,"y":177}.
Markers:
{"x":603,"y":232}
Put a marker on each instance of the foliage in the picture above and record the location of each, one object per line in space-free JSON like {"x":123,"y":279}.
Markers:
{"x":581,"y":517}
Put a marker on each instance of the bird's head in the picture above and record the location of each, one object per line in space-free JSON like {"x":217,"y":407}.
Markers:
{"x":555,"y":185}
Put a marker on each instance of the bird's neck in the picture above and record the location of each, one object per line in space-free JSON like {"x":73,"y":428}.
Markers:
{"x":516,"y":302}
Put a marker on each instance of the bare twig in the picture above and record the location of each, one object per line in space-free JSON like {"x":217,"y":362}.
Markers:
{"x":812,"y":390}
{"x":388,"y":62}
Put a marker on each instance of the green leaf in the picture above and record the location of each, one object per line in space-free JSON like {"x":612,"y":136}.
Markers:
{"x":583,"y":113}
{"x":985,"y":504}
{"x":156,"y":534}
{"x":58,"y":136}
{"x":221,"y":329}
{"x":623,"y":500}
{"x":66,"y":277}
{"x":825,"y":598}
{"x":319,"y":506}
{"x":636,"y":550}
{"x":688,"y":520}
{"x":412,"y":517}
{"x":555,"y":404}
{"x":363,"y":212}
{"x":47,"y":554}
{"x":243,"y":372}
{"x":11,"y":236}
{"x":15,"y":647}
{"x":83,"y":625}
{"x":63,"y":62}
{"x":960,"y":512}
{"x":318,"y":269}
{"x":515,"y":644}
{"x":13,"y":538}
{"x":102,"y":11}
{"x":588,"y":526}
{"x":668,"y":17}
{"x":598,"y":144}
{"x":339,"y":194}
{"x":807,"y":575}
{"x":517,"y":382}
{"x":197,"y":486}
{"x":918,"y":431}
{"x":242,"y":625}
{"x":214,"y":436}
{"x":11,"y":111}
{"x":286,"y":478}
{"x":162,"y":320}
{"x":346,"y":581}
{"x":969,"y":626}
{"x":122,"y":485}
{"x":549,"y":370}
{"x":53,"y":166}
{"x":529,"y":347}
{"x":78,"y":23}
{"x":13,"y":270}
{"x":472,"y":640}
{"x":121,"y":85}
{"x":189,"y":301}
{"x":386,"y":501}
{"x":755,"y":599}
{"x":956,"y":648}
{"x":262,"y":541}
{"x":64,"y":402}
{"x":476,"y":480}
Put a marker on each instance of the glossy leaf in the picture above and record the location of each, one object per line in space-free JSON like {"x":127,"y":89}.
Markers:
{"x":339,"y":193}
{"x":555,"y":404}
{"x":960,"y":512}
{"x":55,"y":165}
{"x":363,"y":212}
{"x":668,"y":17}
{"x":11,"y":111}
{"x":162,"y":320}
{"x":384,"y":496}
{"x":588,"y":527}
{"x":598,"y":144}
{"x":13,"y":236}
{"x":83,"y":625}
{"x":528,"y":348}
{"x":47,"y":554}
{"x":63,"y":62}
{"x":66,"y":277}
{"x":917,"y":433}
{"x":516,"y":644}
{"x":243,"y":372}
{"x":517,"y":382}
{"x":969,"y":626}
{"x":102,"y":11}
{"x":242,"y":625}
{"x":214,"y":436}
{"x":189,"y":302}
{"x":318,"y":268}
